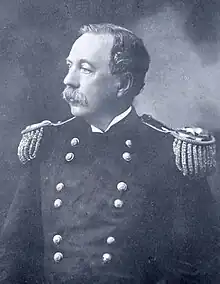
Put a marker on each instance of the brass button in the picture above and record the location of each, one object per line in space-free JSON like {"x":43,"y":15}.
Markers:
{"x":106,"y":257}
{"x":110,"y":240}
{"x":118,"y":203}
{"x":126,"y":156}
{"x":59,"y":186}
{"x":122,"y":186}
{"x":57,"y":239}
{"x":128,"y":143}
{"x":74,"y":141}
{"x":57,"y":203}
{"x":58,"y":256}
{"x":69,"y":157}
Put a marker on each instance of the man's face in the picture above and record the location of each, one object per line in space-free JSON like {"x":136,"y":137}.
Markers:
{"x":90,"y":87}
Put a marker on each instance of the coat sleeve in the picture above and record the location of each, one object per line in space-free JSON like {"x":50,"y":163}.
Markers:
{"x":194,"y":247}
{"x":21,"y":243}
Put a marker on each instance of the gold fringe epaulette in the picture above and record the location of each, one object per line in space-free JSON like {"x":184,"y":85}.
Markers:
{"x":194,"y":148}
{"x":31,"y":139}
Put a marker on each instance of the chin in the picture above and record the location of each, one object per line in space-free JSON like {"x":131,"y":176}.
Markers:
{"x":78,"y":110}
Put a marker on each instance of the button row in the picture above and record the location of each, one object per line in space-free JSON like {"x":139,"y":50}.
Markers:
{"x":121,"y":186}
{"x":75,"y":141}
{"x":118,"y":203}
{"x":106,"y":258}
{"x":70,"y":156}
{"x":126,"y":156}
{"x":57,"y":240}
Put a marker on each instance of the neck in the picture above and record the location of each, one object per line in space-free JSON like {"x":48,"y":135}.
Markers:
{"x":103,"y":119}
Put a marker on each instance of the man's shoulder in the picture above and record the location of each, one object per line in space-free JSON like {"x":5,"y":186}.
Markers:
{"x":38,"y":139}
{"x":191,"y":150}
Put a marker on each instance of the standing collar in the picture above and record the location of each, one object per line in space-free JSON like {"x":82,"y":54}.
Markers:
{"x":113,"y":122}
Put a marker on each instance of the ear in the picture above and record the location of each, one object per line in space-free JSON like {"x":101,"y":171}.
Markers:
{"x":126,"y":82}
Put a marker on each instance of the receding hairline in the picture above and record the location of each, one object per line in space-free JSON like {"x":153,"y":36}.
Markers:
{"x":104,"y":28}
{"x":110,"y":38}
{"x":99,"y":34}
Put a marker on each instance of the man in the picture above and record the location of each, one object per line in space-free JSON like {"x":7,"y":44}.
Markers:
{"x":104,"y":198}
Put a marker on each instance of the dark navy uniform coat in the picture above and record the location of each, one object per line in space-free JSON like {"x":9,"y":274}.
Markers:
{"x":108,"y":208}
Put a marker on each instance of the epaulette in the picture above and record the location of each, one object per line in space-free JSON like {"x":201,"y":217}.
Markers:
{"x":31,"y":139}
{"x":194,"y":148}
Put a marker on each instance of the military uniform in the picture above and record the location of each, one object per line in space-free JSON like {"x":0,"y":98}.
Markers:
{"x":108,"y":208}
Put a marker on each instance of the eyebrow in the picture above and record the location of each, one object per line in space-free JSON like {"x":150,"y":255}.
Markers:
{"x":82,"y":61}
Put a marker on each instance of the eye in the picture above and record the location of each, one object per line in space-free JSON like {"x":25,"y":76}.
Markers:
{"x":85,"y":70}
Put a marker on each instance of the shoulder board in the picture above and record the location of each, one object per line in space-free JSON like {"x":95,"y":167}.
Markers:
{"x":31,"y":139}
{"x":194,"y":148}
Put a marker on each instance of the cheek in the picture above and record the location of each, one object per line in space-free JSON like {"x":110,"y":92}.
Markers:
{"x":87,"y":85}
{"x":98,"y":89}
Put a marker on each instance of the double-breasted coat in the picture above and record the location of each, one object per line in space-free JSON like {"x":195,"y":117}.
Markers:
{"x":108,"y":208}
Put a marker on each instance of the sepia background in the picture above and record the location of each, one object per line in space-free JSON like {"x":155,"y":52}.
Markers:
{"x":182,"y":86}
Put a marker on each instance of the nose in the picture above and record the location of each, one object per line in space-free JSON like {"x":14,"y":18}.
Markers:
{"x":72,"y":78}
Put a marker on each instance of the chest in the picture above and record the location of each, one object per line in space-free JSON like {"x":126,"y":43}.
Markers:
{"x":97,"y":189}
{"x":97,"y":178}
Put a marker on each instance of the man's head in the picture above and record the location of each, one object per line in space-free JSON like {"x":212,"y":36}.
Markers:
{"x":107,"y":68}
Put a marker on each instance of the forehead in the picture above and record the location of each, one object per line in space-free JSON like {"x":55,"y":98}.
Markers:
{"x":92,"y":47}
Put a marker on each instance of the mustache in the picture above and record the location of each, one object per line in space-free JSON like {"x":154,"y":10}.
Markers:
{"x":73,"y":96}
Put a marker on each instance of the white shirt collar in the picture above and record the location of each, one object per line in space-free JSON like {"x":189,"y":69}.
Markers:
{"x":113,"y":122}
